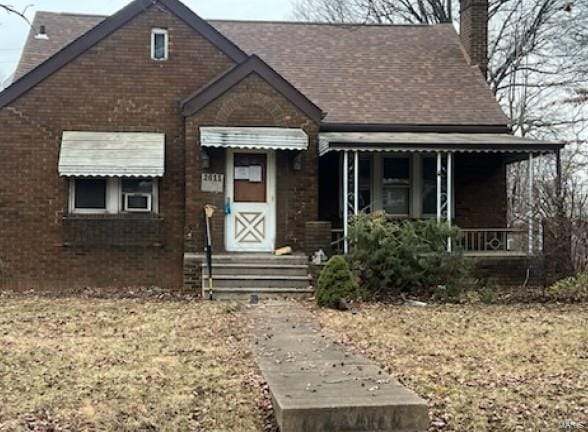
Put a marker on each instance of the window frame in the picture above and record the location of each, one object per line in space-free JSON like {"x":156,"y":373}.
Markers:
{"x":114,"y":198}
{"x":409,"y":186}
{"x":433,"y":157}
{"x":421,"y":195}
{"x":165,"y":33}
{"x":110,"y":206}
{"x":363,"y":157}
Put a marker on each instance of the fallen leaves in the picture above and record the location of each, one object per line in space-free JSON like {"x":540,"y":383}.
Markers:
{"x":127,"y":364}
{"x":482,"y":368}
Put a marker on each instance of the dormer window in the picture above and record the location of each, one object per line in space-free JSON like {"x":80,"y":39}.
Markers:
{"x":159,"y":44}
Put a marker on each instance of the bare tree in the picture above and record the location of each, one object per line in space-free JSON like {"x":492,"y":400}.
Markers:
{"x":12,"y":10}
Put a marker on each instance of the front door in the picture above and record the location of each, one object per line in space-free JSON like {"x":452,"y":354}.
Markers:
{"x":251,"y":219}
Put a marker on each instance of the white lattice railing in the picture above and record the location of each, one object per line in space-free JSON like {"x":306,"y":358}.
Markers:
{"x":479,"y":241}
{"x":494,"y":241}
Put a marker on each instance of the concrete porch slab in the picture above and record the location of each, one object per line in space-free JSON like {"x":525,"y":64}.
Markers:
{"x":318,"y":385}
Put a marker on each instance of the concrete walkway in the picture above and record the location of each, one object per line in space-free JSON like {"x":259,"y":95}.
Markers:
{"x":317,"y":385}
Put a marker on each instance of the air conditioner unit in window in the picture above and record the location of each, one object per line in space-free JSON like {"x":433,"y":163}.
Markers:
{"x":137,"y":202}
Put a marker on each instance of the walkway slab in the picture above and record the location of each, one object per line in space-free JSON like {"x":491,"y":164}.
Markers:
{"x":317,"y":385}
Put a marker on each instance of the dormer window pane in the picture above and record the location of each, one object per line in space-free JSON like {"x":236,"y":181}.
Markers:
{"x":159,"y":44}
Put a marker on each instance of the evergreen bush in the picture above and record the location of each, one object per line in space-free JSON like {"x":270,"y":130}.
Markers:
{"x":393,"y":257}
{"x":336,"y":283}
{"x":571,"y":289}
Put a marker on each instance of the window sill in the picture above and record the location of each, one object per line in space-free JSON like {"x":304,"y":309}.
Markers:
{"x":111,"y":216}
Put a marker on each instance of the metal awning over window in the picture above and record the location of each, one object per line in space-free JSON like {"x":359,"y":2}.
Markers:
{"x":430,"y":142}
{"x":254,"y":138}
{"x":112,"y":154}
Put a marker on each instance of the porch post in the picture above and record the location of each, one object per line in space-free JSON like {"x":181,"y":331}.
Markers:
{"x":345,"y":175}
{"x":530,"y":202}
{"x":355,"y":182}
{"x":449,"y":195}
{"x":439,"y":185}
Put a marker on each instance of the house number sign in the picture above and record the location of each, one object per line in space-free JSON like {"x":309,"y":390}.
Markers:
{"x":213,"y":182}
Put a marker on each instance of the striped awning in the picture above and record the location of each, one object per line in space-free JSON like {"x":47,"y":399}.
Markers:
{"x":431,"y":142}
{"x":254,"y":138}
{"x":112,"y":154}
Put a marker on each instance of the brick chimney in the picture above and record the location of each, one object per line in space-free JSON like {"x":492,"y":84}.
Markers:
{"x":473,"y":30}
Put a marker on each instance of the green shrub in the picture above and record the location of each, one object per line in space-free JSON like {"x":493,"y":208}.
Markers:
{"x":487,"y":294}
{"x":571,"y":289}
{"x":336,"y":283}
{"x":392,"y":257}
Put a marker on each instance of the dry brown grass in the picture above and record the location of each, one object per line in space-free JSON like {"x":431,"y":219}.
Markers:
{"x":124,"y":365}
{"x":482,"y":368}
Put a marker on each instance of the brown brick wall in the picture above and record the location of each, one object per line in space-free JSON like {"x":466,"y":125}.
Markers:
{"x":474,"y":31}
{"x":114,"y":86}
{"x":480,"y":190}
{"x":318,"y":236}
{"x":253,"y":103}
{"x":509,"y":271}
{"x":113,"y":230}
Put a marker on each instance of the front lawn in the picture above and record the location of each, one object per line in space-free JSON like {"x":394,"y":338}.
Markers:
{"x":482,"y":368}
{"x":124,"y":365}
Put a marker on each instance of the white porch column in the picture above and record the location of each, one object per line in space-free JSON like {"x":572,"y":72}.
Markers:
{"x":530,"y":203}
{"x":355,"y":182}
{"x":449,"y":195}
{"x":345,"y":176}
{"x":439,"y":185}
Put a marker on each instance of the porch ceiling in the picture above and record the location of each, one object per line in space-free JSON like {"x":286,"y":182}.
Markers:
{"x":431,"y":142}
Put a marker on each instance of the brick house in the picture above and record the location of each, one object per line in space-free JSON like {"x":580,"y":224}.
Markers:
{"x":117,"y":131}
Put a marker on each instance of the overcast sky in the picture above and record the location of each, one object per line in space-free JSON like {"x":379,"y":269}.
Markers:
{"x":14,"y":30}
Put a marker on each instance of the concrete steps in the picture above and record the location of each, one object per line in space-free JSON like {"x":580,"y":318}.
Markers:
{"x":239,"y":276}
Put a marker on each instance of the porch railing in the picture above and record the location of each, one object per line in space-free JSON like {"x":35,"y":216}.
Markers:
{"x":337,"y":240}
{"x":479,"y":241}
{"x":494,"y":241}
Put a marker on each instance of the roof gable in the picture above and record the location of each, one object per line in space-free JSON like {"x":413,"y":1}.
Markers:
{"x":105,"y":28}
{"x":253,"y":65}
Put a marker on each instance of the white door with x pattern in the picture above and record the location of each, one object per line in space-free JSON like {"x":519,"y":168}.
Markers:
{"x":250,"y":195}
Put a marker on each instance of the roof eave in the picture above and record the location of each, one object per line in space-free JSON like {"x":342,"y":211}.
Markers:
{"x":526,"y":147}
{"x":397,"y":127}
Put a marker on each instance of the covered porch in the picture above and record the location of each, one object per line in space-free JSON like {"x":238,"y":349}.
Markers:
{"x":458,"y":178}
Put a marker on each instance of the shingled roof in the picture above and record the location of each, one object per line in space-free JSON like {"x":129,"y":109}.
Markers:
{"x":64,"y":29}
{"x":362,"y":74}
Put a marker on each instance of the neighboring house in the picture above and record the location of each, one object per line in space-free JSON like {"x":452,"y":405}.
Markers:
{"x":118,"y":130}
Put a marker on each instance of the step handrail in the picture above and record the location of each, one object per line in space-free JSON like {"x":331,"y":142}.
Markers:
{"x":208,"y":213}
